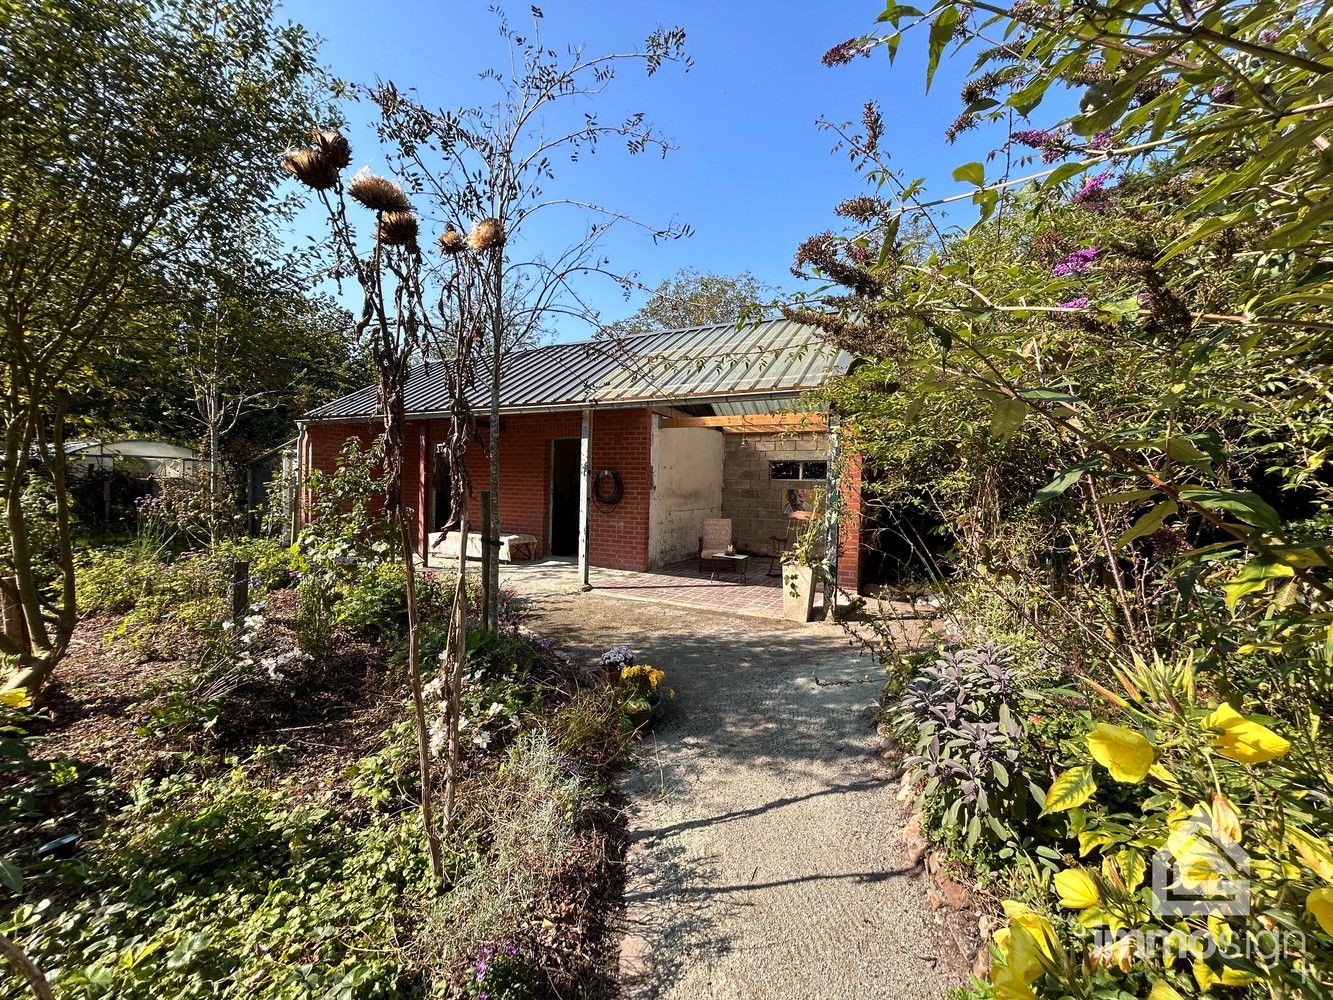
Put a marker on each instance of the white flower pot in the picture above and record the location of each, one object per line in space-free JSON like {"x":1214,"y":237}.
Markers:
{"x":798,"y":592}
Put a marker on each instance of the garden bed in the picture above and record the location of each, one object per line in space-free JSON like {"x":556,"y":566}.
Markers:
{"x":181,"y":827}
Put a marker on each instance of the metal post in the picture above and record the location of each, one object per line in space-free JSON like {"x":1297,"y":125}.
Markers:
{"x":488,"y":555}
{"x":585,"y":488}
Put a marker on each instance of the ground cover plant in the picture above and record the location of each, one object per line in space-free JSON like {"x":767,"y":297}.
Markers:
{"x":249,"y":824}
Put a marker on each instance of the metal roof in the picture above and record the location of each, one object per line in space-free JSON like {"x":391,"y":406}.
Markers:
{"x":773,"y":359}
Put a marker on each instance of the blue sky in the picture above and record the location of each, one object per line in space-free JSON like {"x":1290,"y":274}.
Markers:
{"x":752,"y":175}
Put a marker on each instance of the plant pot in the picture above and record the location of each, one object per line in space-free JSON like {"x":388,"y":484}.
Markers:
{"x":641,"y":718}
{"x":798,"y":592}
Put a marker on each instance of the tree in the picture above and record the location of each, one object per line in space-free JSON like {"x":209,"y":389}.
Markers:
{"x":224,"y":351}
{"x":1141,"y":320}
{"x":693,"y":299}
{"x":137,"y":138}
{"x":492,"y":166}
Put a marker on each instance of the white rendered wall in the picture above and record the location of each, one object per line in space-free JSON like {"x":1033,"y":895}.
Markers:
{"x":687,"y":487}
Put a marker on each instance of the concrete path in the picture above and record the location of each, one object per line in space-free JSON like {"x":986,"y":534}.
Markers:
{"x":766,"y":857}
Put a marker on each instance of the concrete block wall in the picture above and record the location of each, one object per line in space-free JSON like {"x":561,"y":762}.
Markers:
{"x":750,"y":498}
{"x":754,"y":501}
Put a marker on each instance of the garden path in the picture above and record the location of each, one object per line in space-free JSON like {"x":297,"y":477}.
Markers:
{"x":766,"y":856}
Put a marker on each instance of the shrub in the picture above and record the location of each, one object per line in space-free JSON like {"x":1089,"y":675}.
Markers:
{"x":535,"y":807}
{"x":372,"y":604}
{"x":963,"y":718}
{"x":1215,"y":794}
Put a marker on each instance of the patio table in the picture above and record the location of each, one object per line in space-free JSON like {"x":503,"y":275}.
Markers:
{"x":738,"y":561}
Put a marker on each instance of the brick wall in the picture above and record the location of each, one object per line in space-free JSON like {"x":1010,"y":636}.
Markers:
{"x":621,"y":440}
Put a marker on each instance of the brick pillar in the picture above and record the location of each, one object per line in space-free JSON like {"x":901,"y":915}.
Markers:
{"x":849,"y":530}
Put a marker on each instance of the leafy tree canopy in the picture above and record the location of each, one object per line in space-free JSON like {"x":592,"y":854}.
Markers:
{"x":691,"y":298}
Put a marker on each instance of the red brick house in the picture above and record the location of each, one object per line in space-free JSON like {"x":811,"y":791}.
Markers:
{"x":673,"y":427}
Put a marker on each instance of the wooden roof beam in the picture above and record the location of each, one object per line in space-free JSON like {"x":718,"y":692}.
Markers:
{"x":754,"y":423}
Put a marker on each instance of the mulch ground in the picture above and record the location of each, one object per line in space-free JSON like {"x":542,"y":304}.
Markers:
{"x":329,"y":712}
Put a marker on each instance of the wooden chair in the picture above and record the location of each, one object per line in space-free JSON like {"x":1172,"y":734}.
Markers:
{"x":778,"y":548}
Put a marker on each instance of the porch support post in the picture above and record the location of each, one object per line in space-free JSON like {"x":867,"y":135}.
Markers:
{"x":832,"y":519}
{"x":585,"y":488}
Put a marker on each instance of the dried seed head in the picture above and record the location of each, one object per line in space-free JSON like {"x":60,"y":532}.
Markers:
{"x":452,"y":241}
{"x":333,"y":145}
{"x":379,"y":194}
{"x":486,"y":234}
{"x":398,"y":228}
{"x":311,"y":167}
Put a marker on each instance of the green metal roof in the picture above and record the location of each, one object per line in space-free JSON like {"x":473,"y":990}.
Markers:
{"x":724,"y":365}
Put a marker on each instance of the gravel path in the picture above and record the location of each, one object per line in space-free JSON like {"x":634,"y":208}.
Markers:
{"x":766,"y":857}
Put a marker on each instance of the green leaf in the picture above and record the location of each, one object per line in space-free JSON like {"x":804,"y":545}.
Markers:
{"x":1062,"y":173}
{"x":1147,"y":524}
{"x":10,"y":876}
{"x":1070,"y":789}
{"x":941,"y":30}
{"x":1249,"y":508}
{"x":1061,"y":483}
{"x":1254,"y":576}
{"x":971,"y":173}
{"x":1007,"y":417}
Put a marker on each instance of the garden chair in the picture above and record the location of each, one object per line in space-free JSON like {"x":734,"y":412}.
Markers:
{"x":717,"y":537}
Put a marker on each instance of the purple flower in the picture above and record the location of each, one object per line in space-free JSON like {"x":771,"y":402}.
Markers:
{"x":1100,"y":141}
{"x":1074,"y":262}
{"x":618,"y":655}
{"x":481,"y":969}
{"x":1034,"y":137}
{"x":1051,"y":142}
{"x":1079,"y":303}
{"x":1269,"y":36}
{"x":511,"y":949}
{"x":1090,"y":187}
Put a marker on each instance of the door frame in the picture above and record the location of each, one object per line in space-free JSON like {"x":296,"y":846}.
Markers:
{"x":550,"y":492}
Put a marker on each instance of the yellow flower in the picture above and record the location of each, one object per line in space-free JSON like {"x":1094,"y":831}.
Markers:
{"x":651,"y":675}
{"x":15,"y":698}
{"x":1242,"y":740}
{"x":1123,"y":752}
{"x":1320,"y":906}
{"x":1026,"y":930}
{"x":1077,"y":889}
{"x":1313,"y":852}
{"x":1009,"y":984}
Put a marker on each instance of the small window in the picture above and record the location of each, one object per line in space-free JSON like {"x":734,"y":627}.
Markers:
{"x":798,"y":471}
{"x":814,"y":470}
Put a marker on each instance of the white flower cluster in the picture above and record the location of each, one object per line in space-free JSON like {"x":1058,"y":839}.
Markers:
{"x":481,"y":725}
{"x":271,"y":666}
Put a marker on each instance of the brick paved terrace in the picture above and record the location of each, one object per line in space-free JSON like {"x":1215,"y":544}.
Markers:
{"x":680,"y":585}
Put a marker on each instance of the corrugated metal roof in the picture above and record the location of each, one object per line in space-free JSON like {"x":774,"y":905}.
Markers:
{"x":775,"y":358}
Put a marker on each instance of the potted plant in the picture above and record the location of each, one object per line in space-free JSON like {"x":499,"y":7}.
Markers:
{"x":616,"y":659}
{"x":639,"y":694}
{"x":798,"y":574}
